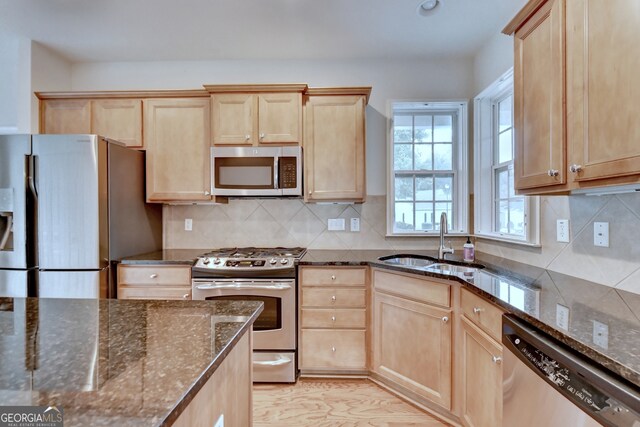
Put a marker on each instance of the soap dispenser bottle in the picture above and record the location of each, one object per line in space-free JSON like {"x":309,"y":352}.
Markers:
{"x":469,"y":251}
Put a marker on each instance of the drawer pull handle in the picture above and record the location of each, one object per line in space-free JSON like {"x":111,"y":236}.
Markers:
{"x":445,"y":319}
{"x":153,"y":276}
{"x":333,"y":298}
{"x":185,"y":296}
{"x":333,"y":349}
{"x":333,"y":318}
{"x":497,"y":360}
{"x":333,"y":277}
{"x":477,"y":310}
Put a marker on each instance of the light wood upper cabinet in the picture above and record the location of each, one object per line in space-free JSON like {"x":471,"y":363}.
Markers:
{"x":177,"y":135}
{"x":603,"y":64}
{"x":256,"y":114}
{"x":119,"y":119}
{"x":62,"y":116}
{"x":539,"y":108}
{"x":334,"y":146}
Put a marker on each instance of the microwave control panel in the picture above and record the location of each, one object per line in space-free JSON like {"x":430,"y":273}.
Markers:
{"x":287,"y":172}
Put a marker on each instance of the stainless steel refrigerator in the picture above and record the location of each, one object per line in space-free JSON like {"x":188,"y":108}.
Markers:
{"x":71,"y":206}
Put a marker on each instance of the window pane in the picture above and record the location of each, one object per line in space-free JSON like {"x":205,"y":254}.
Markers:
{"x":512,"y":190}
{"x":504,"y":113}
{"x":516,"y":216}
{"x":424,"y":188}
{"x":443,"y":129}
{"x":502,"y":216}
{"x":404,"y":216}
{"x":404,"y":188}
{"x":423,"y":129}
{"x":502,"y":184}
{"x":424,"y":216}
{"x":443,"y":207}
{"x":444,"y":188}
{"x":505,"y":152}
{"x":443,"y":156}
{"x":402,"y":157}
{"x":402,"y":128}
{"x":423,"y":157}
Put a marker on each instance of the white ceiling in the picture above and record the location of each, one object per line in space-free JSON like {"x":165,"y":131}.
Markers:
{"x":146,"y":30}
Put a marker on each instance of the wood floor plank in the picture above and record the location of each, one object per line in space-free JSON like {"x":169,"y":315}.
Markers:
{"x":333,"y":403}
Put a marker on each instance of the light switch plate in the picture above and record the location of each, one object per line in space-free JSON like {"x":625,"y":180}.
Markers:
{"x":562,"y":316}
{"x":355,"y":224}
{"x":562,"y":230}
{"x":601,"y":334}
{"x":601,"y":234}
{"x":335,"y":224}
{"x":188,"y":224}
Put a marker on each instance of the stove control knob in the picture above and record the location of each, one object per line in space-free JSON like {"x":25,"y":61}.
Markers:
{"x":206,"y":261}
{"x":284,"y":261}
{"x":216,"y":261}
{"x":273,"y":261}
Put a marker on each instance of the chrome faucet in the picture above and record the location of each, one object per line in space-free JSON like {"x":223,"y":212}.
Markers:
{"x":444,"y":229}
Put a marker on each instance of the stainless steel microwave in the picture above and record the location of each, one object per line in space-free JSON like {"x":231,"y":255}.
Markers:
{"x":256,"y":171}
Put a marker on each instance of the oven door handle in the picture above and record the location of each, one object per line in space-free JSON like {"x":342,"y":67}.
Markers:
{"x":278,"y":287}
{"x":277,"y":362}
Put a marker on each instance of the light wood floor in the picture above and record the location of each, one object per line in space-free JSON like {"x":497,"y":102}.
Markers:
{"x":333,"y":403}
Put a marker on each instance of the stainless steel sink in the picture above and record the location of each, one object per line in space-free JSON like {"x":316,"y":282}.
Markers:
{"x":408,"y":261}
{"x":451,"y":269}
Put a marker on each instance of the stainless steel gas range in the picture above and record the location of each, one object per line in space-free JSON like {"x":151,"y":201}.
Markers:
{"x":262,"y":274}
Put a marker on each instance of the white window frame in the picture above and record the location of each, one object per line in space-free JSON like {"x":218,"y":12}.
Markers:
{"x":484,"y":131}
{"x":460,"y":222}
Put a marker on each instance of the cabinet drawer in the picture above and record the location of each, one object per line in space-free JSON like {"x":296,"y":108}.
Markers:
{"x":333,"y":349}
{"x":330,"y":318}
{"x":149,"y":292}
{"x":329,"y":298}
{"x":311,"y":276}
{"x":154,"y":275}
{"x":482,"y":313}
{"x":414,"y":288}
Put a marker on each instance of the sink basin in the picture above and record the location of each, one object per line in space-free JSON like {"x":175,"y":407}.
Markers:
{"x":407,"y":261}
{"x":451,"y":269}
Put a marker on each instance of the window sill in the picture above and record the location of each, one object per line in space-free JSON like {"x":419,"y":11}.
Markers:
{"x":502,"y":239}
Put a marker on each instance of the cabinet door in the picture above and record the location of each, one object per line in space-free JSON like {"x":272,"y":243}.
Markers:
{"x":412,"y":346}
{"x":279,"y":118}
{"x":481,"y":378}
{"x":119,"y":119}
{"x":539,"y":99}
{"x":603,"y":64}
{"x":177,"y":135}
{"x":334,"y":148}
{"x":234,"y":119}
{"x":65,"y":116}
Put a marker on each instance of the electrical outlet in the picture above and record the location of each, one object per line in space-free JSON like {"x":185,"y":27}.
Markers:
{"x":601,"y":234}
{"x":562,"y":316}
{"x":562,"y":230}
{"x":601,"y":334}
{"x":335,"y":224}
{"x":188,"y":224}
{"x":355,"y":224}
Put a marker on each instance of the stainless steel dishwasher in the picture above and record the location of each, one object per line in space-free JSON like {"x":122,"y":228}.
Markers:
{"x":547,"y":384}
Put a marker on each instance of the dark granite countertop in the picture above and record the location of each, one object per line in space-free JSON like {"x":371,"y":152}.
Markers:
{"x":167,"y":256}
{"x":115,"y":362}
{"x":534,"y":295}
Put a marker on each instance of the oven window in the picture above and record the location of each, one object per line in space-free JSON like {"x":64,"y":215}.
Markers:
{"x":252,"y":173}
{"x":271,"y":316}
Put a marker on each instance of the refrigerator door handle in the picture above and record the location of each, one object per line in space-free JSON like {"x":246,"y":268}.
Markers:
{"x":31,"y":179}
{"x":7,"y":231}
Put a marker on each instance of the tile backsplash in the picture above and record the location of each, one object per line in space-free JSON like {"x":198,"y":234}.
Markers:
{"x":291,"y":222}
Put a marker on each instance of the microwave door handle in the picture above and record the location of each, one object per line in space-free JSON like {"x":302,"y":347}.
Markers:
{"x":276,"y":167}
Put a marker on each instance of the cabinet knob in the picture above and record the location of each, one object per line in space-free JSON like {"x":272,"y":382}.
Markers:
{"x":333,"y":349}
{"x":333,"y":298}
{"x":333,"y":277}
{"x":206,"y":193}
{"x":477,"y":310}
{"x":497,"y":360}
{"x":333,"y":318}
{"x":309,"y":192}
{"x":247,"y":137}
{"x":185,"y":296}
{"x":153,"y":276}
{"x":262,"y":135}
{"x":575,"y":168}
{"x":553,"y":172}
{"x":445,"y":319}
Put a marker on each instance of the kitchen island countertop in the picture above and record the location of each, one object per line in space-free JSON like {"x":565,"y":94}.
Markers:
{"x":115,"y":362}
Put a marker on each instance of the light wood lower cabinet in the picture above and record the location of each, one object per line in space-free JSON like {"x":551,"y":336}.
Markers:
{"x":227,"y":393}
{"x":154,"y":282}
{"x":412,"y":346}
{"x":481,"y":382}
{"x":333,"y":320}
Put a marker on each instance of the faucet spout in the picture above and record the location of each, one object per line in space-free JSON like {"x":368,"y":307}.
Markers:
{"x":444,"y":229}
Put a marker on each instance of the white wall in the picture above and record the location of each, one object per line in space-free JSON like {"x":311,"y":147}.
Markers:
{"x":492,"y":61}
{"x":15,"y":84}
{"x":390,"y":80}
